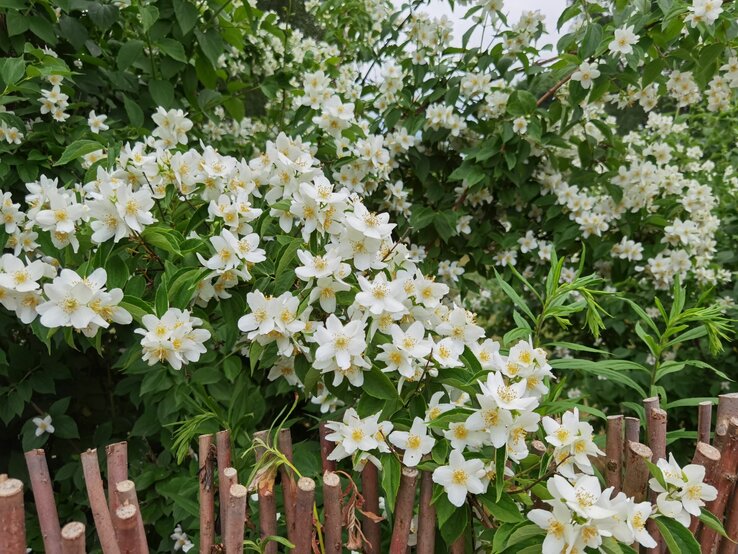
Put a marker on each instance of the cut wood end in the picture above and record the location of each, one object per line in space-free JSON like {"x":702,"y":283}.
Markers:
{"x":125,"y":486}
{"x":230,"y":472}
{"x":708,"y":452}
{"x":707,"y":403}
{"x":222,"y":434}
{"x":73,"y":530}
{"x":306,"y":484}
{"x":35,"y":452}
{"x":733,"y":426}
{"x":729,"y":396}
{"x":10,"y":487}
{"x":409,"y":472}
{"x":205,"y":437}
{"x":538,"y":446}
{"x":658,"y":413}
{"x":331,"y":479}
{"x":238,"y":491}
{"x":126,"y":511}
{"x":615,"y":417}
{"x":640,"y":449}
{"x":651,"y":401}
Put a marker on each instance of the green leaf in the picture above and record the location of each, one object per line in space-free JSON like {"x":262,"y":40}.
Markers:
{"x":391,"y":470}
{"x":211,"y":45}
{"x":149,"y":15}
{"x":162,"y":92}
{"x":173,"y":49}
{"x":131,"y":51}
{"x":677,"y":537}
{"x":515,"y":297}
{"x":591,"y":40}
{"x":378,"y":385}
{"x":186,"y":14}
{"x":521,"y":102}
{"x":709,"y":519}
{"x":43,"y":29}
{"x":12,"y":70}
{"x":78,"y":149}
{"x":133,"y":111}
{"x":504,"y":509}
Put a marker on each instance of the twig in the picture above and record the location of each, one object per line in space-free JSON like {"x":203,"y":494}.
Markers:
{"x":43,"y":496}
{"x":73,"y":538}
{"x":125,"y":493}
{"x":370,"y":492}
{"x":234,"y":530}
{"x":207,"y":493}
{"x":117,"y":462}
{"x":403,"y":510}
{"x":614,"y":452}
{"x":12,"y":515}
{"x":332,"y":512}
{"x":303,"y":515}
{"x":96,"y":495}
{"x":426,"y":516}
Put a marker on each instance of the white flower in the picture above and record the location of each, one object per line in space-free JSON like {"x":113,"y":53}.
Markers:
{"x":352,"y":434}
{"x":491,"y":419}
{"x":380,"y":295}
{"x":586,"y":73}
{"x":69,"y":298}
{"x":97,"y":122}
{"x":43,"y":425}
{"x":181,"y":541}
{"x":520,"y":125}
{"x":19,"y":277}
{"x":339,"y":342}
{"x":559,"y":530}
{"x":508,"y":396}
{"x":637,"y":523}
{"x":622,"y":43}
{"x":582,"y":497}
{"x":460,"y":477}
{"x":416,"y":442}
{"x":172,"y":338}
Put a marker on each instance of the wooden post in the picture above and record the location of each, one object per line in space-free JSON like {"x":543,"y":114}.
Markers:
{"x":614,"y":452}
{"x":223,"y":446}
{"x":370,"y":492}
{"x":657,"y":442}
{"x":304,"y":516}
{"x":657,"y":434}
{"x":236,"y":519}
{"x":117,"y":462}
{"x":43,"y":496}
{"x":727,"y":408}
{"x":724,"y":482}
{"x":98,"y":504}
{"x":12,"y":515}
{"x":73,"y":538}
{"x":267,"y":500}
{"x":704,"y":422}
{"x":709,"y":457}
{"x":125,"y":527}
{"x":207,"y":493}
{"x":636,"y":470}
{"x":125,"y":491}
{"x":289,"y":492}
{"x":632,"y":433}
{"x":403,"y":510}
{"x":326,"y":447}
{"x":332,"y":513}
{"x":426,"y":516}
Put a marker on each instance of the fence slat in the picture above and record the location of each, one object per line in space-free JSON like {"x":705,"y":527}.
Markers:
{"x":98,"y":504}
{"x":370,"y":492}
{"x":403,"y":510}
{"x":73,"y":538}
{"x":43,"y":497}
{"x":12,"y":515}
{"x":206,"y":477}
{"x":332,"y":513}
{"x":236,"y":519}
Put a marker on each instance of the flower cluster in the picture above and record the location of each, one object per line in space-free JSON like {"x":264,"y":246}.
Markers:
{"x":174,"y":338}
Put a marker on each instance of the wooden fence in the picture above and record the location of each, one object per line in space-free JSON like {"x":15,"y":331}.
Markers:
{"x":120,"y":529}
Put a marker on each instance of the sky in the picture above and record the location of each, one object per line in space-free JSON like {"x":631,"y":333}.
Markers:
{"x":551,"y":9}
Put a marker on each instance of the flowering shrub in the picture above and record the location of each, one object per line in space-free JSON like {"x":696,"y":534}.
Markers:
{"x":319,"y":198}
